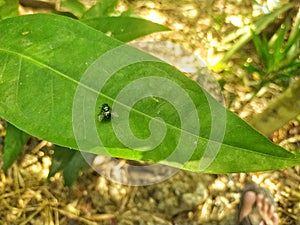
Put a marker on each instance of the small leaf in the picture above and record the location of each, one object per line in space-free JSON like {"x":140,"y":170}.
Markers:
{"x":67,"y":160}
{"x":277,"y":42}
{"x":292,"y":46}
{"x":60,"y":159}
{"x":14,"y":142}
{"x":124,"y":28}
{"x":294,"y":33}
{"x":261,"y":48}
{"x":268,"y":56}
{"x":73,"y":168}
{"x":292,"y":68}
{"x":73,"y":6}
{"x":102,"y":8}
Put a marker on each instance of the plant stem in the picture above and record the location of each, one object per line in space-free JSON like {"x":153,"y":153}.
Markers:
{"x":283,"y":109}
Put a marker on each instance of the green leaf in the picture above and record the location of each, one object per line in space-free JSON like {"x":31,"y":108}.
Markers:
{"x":262,"y":48}
{"x":124,"y":28}
{"x":73,"y":6}
{"x":8,"y":8}
{"x":292,"y":47}
{"x":73,"y":168}
{"x":14,"y":142}
{"x":60,"y":159}
{"x":290,"y":68}
{"x":277,"y":43}
{"x":67,"y":160}
{"x":102,"y":8}
{"x":295,"y":29}
{"x":55,"y":72}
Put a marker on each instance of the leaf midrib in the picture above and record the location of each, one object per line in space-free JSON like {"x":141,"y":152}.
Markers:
{"x":43,"y":65}
{"x":91,"y":89}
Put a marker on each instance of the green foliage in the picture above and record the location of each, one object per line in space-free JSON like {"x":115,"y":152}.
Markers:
{"x":43,"y":58}
{"x":124,"y":28}
{"x":68,"y":160}
{"x":243,"y":35}
{"x":104,"y":17}
{"x":279,"y":55}
{"x":73,"y":6}
{"x":14,"y":141}
{"x":102,"y":8}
